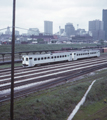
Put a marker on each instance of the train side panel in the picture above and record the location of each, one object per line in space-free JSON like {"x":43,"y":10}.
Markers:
{"x":32,"y":60}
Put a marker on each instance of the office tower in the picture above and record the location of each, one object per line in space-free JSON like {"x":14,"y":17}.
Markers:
{"x":104,"y":19}
{"x":48,"y":27}
{"x":69,"y":29}
{"x":96,"y":27}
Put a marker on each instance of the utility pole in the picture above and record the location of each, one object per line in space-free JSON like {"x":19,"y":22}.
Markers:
{"x":12,"y":64}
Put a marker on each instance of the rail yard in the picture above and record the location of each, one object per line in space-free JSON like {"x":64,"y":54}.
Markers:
{"x":28,"y":80}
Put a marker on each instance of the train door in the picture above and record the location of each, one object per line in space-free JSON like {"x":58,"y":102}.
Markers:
{"x":70,"y":57}
{"x":74,"y":56}
{"x":30,"y":61}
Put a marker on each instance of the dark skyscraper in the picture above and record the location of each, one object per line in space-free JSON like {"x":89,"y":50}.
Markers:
{"x":96,"y":28}
{"x":105,"y":22}
{"x":69,"y":29}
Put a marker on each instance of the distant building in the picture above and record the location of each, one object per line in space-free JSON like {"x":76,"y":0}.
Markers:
{"x":96,"y":28}
{"x":80,"y":32}
{"x":61,"y":31}
{"x":33,"y":31}
{"x":82,"y":39}
{"x":8,"y":32}
{"x":104,"y":19}
{"x":69,"y":29}
{"x":16,"y":32}
{"x":48,"y":27}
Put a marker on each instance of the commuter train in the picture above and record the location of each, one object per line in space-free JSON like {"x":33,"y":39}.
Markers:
{"x":32,"y":60}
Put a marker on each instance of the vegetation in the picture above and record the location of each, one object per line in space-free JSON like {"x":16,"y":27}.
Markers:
{"x":37,"y":47}
{"x":95,"y":108}
{"x":57,"y":103}
{"x":102,"y":42}
{"x":9,"y":65}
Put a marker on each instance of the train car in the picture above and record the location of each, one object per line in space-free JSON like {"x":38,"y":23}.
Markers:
{"x":32,"y":60}
{"x":85,"y":54}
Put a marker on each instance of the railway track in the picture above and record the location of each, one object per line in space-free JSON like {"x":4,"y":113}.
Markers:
{"x":28,"y":80}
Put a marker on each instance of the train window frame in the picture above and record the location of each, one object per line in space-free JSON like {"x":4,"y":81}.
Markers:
{"x":27,"y":59}
{"x":30,"y":58}
{"x":35,"y":59}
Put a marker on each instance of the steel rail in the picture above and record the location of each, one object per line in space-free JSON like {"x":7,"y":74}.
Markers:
{"x":50,"y":84}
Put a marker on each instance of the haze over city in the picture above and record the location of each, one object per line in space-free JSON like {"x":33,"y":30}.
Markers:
{"x":32,"y":14}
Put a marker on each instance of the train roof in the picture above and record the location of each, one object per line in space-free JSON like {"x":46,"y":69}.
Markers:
{"x":59,"y":53}
{"x":38,"y":55}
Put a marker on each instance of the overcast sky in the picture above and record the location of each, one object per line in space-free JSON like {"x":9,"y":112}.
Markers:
{"x":33,"y":13}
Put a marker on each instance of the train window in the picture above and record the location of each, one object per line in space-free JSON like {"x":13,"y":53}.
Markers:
{"x":60,"y":56}
{"x":30,"y":58}
{"x":48,"y":57}
{"x":74,"y":53}
{"x":65,"y":56}
{"x":38,"y":58}
{"x":52,"y":57}
{"x":26,"y":59}
{"x":42,"y":58}
{"x":45,"y":58}
{"x":57,"y":56}
{"x":71,"y":54}
{"x":35,"y":59}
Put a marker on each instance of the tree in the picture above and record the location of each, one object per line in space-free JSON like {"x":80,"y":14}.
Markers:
{"x":102,"y":42}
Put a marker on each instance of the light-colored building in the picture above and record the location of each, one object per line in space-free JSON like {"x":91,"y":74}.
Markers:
{"x":96,"y":27}
{"x":48,"y":27}
{"x":16,"y":32}
{"x":8,"y":32}
{"x":33,"y":31}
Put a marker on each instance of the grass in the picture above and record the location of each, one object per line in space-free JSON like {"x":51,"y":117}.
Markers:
{"x":94,"y":107}
{"x":58,"y":102}
{"x":9,"y":65}
{"x":37,"y":47}
{"x":52,"y":104}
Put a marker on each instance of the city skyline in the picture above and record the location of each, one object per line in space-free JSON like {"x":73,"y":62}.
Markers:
{"x":33,"y":14}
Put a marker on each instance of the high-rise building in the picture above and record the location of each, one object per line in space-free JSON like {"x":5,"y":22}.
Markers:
{"x":104,"y":19}
{"x":69,"y":29}
{"x":96,"y":27}
{"x":48,"y":27}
